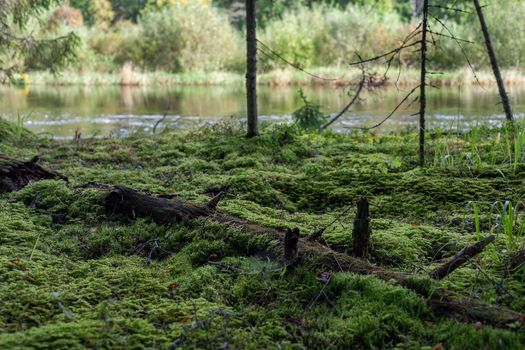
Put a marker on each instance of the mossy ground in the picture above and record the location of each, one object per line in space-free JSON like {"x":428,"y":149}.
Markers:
{"x":72,"y":277}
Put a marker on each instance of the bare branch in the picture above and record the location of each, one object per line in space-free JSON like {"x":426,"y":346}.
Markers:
{"x":455,"y":9}
{"x":460,"y":46}
{"x":354,"y":99}
{"x":296,"y":66}
{"x":452,"y":37}
{"x":391,"y":113}
{"x":394,"y":51}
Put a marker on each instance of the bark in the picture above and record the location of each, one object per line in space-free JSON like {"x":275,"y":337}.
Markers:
{"x":461,"y":258}
{"x":164,"y":211}
{"x":15,"y":174}
{"x":494,"y":63}
{"x":361,"y":231}
{"x":251,"y":67}
{"x":423,"y":83}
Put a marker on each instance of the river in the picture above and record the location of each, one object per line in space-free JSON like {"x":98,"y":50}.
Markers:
{"x":114,"y":110}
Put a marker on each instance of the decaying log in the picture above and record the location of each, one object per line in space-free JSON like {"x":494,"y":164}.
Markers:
{"x":133,"y":204}
{"x":162,"y":211}
{"x":361,"y":231}
{"x":460,"y":258}
{"x":15,"y":174}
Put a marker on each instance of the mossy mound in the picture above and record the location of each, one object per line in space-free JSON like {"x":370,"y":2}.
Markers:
{"x":73,"y":276}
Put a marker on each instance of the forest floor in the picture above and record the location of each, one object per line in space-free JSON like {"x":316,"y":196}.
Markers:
{"x":73,"y":276}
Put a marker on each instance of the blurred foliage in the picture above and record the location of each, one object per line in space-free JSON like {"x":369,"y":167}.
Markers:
{"x":325,"y":35}
{"x":95,"y":11}
{"x":21,"y":49}
{"x":193,"y":37}
{"x":207,"y":35}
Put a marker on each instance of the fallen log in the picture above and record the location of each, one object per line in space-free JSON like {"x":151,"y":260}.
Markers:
{"x":15,"y":174}
{"x":164,"y":211}
{"x":460,"y":258}
{"x":133,"y":204}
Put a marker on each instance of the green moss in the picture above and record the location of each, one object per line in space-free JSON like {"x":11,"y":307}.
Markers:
{"x":53,"y":196}
{"x":73,"y":277}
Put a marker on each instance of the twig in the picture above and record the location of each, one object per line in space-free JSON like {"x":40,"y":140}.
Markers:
{"x":296,"y":66}
{"x":449,"y":8}
{"x":391,"y":113}
{"x":225,"y":267}
{"x":352,"y":101}
{"x":394,"y":51}
{"x":460,"y":46}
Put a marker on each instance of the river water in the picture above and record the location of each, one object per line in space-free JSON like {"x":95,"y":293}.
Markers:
{"x":114,"y":110}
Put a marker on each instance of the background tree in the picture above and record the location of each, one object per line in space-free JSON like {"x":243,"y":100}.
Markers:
{"x":251,"y":67}
{"x":21,"y":50}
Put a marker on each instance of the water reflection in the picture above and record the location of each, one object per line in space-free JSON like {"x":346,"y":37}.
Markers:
{"x":119,"y":110}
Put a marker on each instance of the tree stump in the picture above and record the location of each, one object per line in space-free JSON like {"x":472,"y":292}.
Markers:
{"x":16,"y":174}
{"x":361,"y":231}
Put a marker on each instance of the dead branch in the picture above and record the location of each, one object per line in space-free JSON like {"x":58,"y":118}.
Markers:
{"x":394,"y":51}
{"x":132,"y":204}
{"x":391,"y":113}
{"x":360,"y":87}
{"x":460,"y":258}
{"x":296,"y":66}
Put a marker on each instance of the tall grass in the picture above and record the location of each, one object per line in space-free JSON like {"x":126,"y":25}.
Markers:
{"x":475,"y":151}
{"x":509,"y":222}
{"x":19,"y":126}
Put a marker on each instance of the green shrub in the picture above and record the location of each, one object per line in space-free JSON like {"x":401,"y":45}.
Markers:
{"x":326,"y":35}
{"x":189,"y":37}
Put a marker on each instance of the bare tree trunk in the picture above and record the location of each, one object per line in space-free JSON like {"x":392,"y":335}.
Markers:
{"x":494,"y":64}
{"x":422,"y":94}
{"x":251,"y":67}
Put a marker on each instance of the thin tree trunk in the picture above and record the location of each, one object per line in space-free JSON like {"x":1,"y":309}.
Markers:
{"x":422,"y":94}
{"x":251,"y":67}
{"x":494,"y":64}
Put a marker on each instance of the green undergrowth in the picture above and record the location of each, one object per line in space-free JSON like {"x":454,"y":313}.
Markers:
{"x":74,"y":276}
